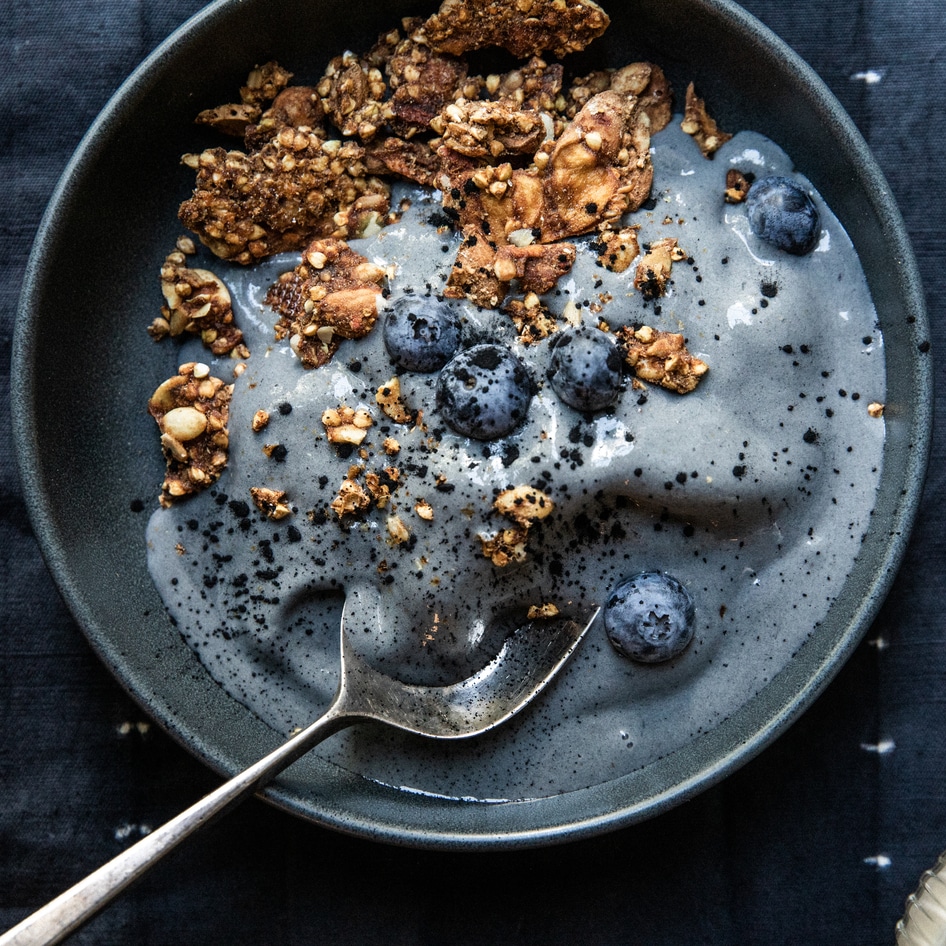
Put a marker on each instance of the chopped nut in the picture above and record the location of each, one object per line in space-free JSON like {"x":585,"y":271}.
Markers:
{"x":297,"y":106}
{"x":271,"y":502}
{"x":653,"y":271}
{"x":260,"y":420}
{"x":351,"y":498}
{"x":585,"y":186}
{"x":424,"y":510}
{"x":875,"y":409}
{"x":191,"y":410}
{"x":662,"y":358}
{"x":537,"y":267}
{"x":389,"y":398}
{"x":532,"y":318}
{"x":352,"y":93}
{"x":424,"y":81}
{"x":346,"y":425}
{"x":617,"y":249}
{"x":184,"y":423}
{"x":505,"y":547}
{"x":538,"y":612}
{"x":523,"y":504}
{"x":697,"y":122}
{"x":397,"y":530}
{"x":391,"y":446}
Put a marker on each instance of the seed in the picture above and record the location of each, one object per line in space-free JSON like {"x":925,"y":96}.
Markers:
{"x":593,"y":140}
{"x":201,"y":371}
{"x":184,"y":423}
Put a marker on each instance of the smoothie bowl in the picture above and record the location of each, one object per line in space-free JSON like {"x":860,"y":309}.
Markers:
{"x":467,"y":317}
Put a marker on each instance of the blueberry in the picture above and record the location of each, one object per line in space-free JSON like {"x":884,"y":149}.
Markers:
{"x":781,"y":213}
{"x":585,"y":368}
{"x":649,"y":617}
{"x":421,"y":334}
{"x":484,"y":392}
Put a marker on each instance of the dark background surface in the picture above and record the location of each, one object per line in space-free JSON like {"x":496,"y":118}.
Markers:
{"x":817,"y":840}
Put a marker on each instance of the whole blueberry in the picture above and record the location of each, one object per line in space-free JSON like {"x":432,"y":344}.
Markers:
{"x":650,"y":617}
{"x":585,"y":368}
{"x":781,"y":213}
{"x":484,"y":392}
{"x":421,"y":334}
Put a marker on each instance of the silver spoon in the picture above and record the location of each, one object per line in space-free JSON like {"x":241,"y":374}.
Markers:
{"x":528,"y":660}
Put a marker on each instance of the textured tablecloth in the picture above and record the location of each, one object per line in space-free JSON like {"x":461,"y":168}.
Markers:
{"x":817,"y":840}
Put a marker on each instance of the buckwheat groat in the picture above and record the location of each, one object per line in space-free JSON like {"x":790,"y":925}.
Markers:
{"x":192,"y":411}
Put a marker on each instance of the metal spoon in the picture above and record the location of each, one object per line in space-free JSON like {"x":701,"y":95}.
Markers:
{"x":528,"y":660}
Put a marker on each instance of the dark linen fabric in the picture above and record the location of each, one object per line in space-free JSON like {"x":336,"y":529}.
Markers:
{"x":818,"y":840}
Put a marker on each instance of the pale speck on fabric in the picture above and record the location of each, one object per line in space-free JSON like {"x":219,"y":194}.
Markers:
{"x":869,"y":76}
{"x":880,"y":861}
{"x":883,"y":747}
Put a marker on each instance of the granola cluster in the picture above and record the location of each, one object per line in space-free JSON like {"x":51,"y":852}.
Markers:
{"x":332,"y":294}
{"x":197,"y":302}
{"x":192,"y":410}
{"x":524,"y":505}
{"x":661,"y":358}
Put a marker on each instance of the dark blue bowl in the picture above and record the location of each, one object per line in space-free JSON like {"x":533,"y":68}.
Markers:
{"x":84,"y":368}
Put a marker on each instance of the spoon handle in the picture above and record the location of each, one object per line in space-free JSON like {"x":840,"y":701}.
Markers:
{"x":62,"y":916}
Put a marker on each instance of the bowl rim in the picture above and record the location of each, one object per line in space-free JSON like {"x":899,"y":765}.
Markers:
{"x":447,"y":824}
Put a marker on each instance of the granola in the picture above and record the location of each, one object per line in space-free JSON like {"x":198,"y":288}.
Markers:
{"x":192,"y":410}
{"x":332,"y":294}
{"x":297,"y":186}
{"x":653,"y":271}
{"x":197,"y":302}
{"x":525,"y":505}
{"x":524,"y":27}
{"x":661,"y":358}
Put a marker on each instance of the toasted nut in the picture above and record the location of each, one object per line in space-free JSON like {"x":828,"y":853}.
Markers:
{"x":524,"y":504}
{"x":539,"y":612}
{"x":184,"y":423}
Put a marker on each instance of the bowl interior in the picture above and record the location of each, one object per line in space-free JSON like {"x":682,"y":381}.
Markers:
{"x":84,"y":367}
